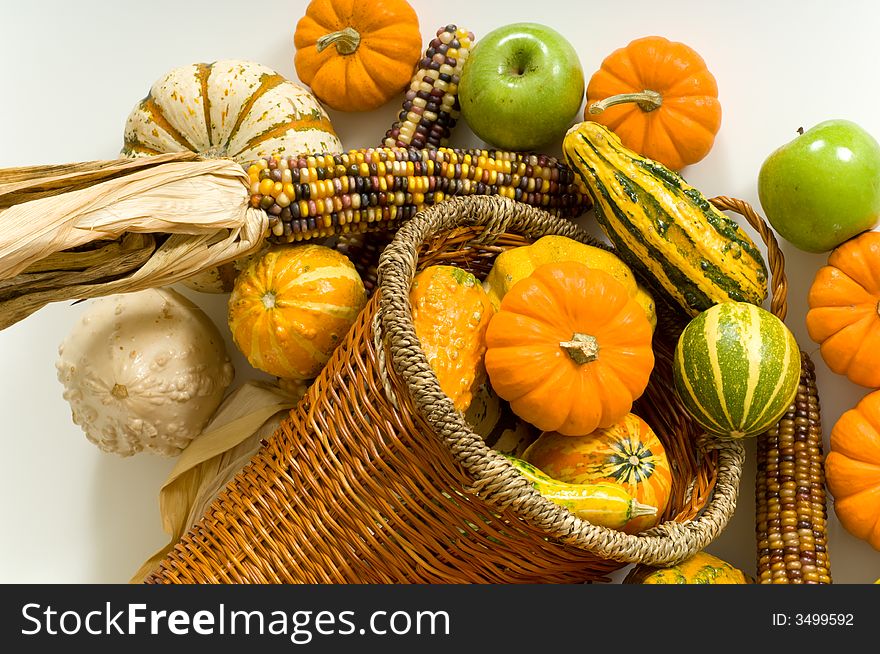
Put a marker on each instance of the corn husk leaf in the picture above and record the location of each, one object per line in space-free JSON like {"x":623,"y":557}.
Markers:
{"x":193,"y":214}
{"x":248,"y":415}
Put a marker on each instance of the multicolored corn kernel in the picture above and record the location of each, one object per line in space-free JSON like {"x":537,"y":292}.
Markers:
{"x":791,"y":514}
{"x":376,"y":189}
{"x":430,"y":106}
{"x":364,"y":250}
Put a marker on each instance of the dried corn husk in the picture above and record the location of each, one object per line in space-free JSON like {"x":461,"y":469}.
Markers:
{"x":249,"y":414}
{"x":91,"y":229}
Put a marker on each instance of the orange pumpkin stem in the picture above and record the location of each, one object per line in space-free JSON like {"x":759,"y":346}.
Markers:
{"x":582,"y":348}
{"x":347,"y":41}
{"x":647,"y":100}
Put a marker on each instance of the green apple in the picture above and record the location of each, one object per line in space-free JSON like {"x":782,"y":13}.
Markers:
{"x":822,"y":187}
{"x":521,"y":86}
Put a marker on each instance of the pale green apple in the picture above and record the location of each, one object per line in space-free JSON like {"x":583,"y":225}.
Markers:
{"x":822,"y":187}
{"x":521,"y":87}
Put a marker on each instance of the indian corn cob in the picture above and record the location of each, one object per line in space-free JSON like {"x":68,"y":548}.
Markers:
{"x":375,"y":189}
{"x":363,"y":249}
{"x":791,"y":515}
{"x":430,"y":106}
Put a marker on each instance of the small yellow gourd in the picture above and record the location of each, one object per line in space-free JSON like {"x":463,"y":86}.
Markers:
{"x":517,"y":263}
{"x":603,"y":504}
{"x":701,"y":568}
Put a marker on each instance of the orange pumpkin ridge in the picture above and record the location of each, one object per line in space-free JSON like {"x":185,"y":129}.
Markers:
{"x":659,"y":97}
{"x":852,"y":469}
{"x":569,"y":348}
{"x":844,"y":310}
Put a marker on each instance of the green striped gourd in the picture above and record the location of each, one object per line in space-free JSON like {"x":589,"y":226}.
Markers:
{"x":736,"y":369}
{"x":676,"y":240}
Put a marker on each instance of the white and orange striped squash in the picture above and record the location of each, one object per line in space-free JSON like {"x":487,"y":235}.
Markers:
{"x":236,"y":109}
{"x":292,"y":306}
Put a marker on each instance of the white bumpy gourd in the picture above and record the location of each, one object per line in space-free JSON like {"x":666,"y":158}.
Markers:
{"x":143,"y":371}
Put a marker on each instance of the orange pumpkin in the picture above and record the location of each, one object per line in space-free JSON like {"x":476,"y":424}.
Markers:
{"x":291,"y":306}
{"x":852,"y":469}
{"x":356,"y":55}
{"x":451,"y":312}
{"x":659,"y":97}
{"x":569,"y":349}
{"x":628,"y":453}
{"x":844,"y":313}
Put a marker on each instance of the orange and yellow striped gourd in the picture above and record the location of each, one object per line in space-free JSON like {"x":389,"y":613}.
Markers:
{"x":291,"y":306}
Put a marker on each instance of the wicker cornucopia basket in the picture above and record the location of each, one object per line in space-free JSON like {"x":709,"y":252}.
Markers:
{"x":374,"y":478}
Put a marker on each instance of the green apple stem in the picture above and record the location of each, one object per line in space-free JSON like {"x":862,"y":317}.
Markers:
{"x":347,"y":41}
{"x":647,"y":100}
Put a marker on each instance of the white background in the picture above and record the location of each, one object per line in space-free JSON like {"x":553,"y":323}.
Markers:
{"x":72,"y":71}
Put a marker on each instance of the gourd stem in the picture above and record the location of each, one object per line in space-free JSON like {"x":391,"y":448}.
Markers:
{"x":347,"y":41}
{"x":639,"y":509}
{"x":119,"y":391}
{"x":647,"y":100}
{"x":582,"y":348}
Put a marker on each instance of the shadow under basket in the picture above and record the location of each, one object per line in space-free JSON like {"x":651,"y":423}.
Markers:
{"x":374,"y":477}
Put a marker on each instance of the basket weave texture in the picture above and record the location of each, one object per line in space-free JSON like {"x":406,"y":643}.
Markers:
{"x":374,"y":477}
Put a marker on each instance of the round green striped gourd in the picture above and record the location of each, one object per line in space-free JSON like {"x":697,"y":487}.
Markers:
{"x":736,"y":369}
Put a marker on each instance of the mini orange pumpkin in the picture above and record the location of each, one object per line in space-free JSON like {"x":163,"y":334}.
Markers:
{"x":628,"y":453}
{"x":291,"y":306}
{"x":659,"y":97}
{"x":852,"y":469}
{"x":356,"y":55}
{"x":569,"y":349}
{"x":844,"y":313}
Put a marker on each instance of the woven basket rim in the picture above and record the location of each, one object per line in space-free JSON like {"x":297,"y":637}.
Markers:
{"x":494,"y":477}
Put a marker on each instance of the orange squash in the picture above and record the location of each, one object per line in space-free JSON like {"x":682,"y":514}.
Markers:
{"x":291,"y":306}
{"x":659,"y":97}
{"x":844,"y":313}
{"x":451,"y":312}
{"x":356,"y":55}
{"x":569,"y":349}
{"x":628,"y":453}
{"x":852,"y":469}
